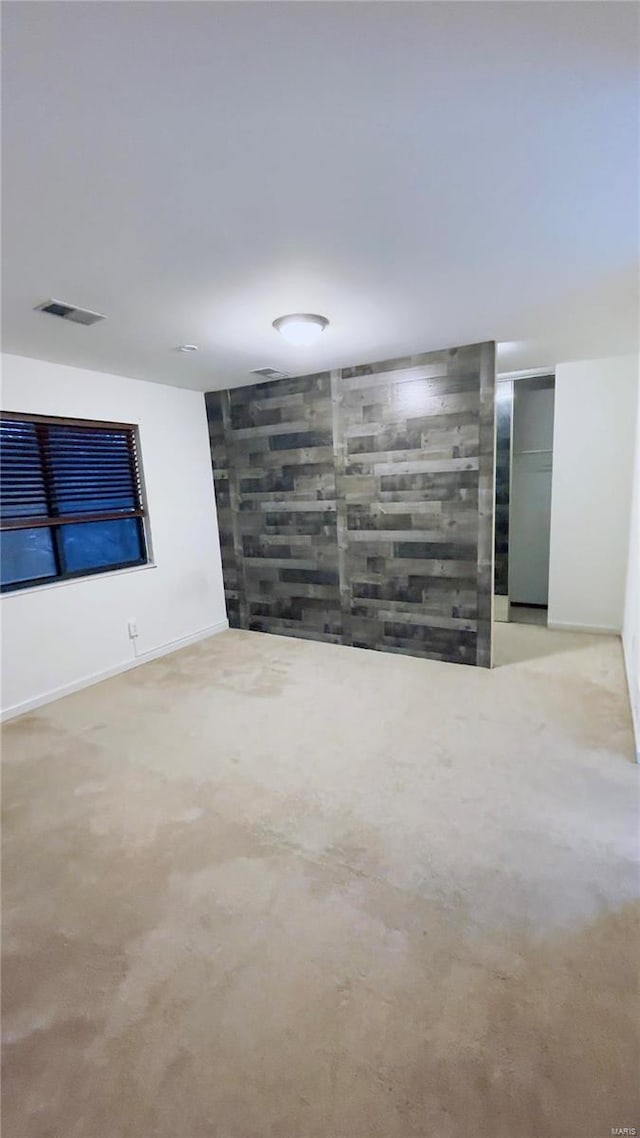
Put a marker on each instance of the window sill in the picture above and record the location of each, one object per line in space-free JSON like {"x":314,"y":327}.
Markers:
{"x":79,"y":580}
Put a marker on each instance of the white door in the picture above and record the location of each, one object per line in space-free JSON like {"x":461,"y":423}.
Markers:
{"x":529,"y":528}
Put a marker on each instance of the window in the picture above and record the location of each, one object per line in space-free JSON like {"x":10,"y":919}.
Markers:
{"x":71,"y":499}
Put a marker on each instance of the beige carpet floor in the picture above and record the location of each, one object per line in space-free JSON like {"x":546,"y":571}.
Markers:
{"x":267,"y":888}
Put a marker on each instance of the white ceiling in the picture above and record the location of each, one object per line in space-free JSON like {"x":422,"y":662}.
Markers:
{"x":423,"y":174}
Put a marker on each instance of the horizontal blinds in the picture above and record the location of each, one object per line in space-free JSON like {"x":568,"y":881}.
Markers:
{"x":21,"y":475}
{"x":54,"y":472}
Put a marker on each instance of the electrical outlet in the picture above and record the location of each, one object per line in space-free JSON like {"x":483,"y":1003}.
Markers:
{"x":133,"y":629}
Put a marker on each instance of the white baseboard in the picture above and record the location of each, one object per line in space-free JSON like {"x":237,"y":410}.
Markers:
{"x":108,"y":673}
{"x":598,"y":629}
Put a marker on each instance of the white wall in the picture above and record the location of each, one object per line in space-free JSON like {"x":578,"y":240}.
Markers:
{"x":58,"y":637}
{"x":594,"y":434}
{"x":631,"y":625}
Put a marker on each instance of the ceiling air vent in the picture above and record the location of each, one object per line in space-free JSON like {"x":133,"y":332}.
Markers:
{"x":270,"y":373}
{"x":69,"y":312}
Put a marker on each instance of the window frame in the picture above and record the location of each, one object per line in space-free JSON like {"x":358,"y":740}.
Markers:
{"x":54,"y":522}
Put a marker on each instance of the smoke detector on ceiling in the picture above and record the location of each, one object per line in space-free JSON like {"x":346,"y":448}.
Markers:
{"x":270,"y":373}
{"x":69,"y":312}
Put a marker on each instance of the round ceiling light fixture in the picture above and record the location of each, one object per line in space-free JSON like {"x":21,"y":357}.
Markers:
{"x":187,"y":348}
{"x":301,"y":328}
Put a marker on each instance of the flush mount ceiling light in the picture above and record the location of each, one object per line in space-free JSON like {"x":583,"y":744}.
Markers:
{"x":301,"y":328}
{"x":187,"y":348}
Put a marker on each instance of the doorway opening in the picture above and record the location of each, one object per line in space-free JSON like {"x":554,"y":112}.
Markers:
{"x":524,"y":463}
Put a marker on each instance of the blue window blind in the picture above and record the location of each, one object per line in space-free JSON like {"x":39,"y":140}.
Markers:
{"x":71,"y":499}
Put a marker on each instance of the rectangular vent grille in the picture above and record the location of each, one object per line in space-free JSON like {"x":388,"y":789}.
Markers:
{"x":270,"y":373}
{"x":69,"y":312}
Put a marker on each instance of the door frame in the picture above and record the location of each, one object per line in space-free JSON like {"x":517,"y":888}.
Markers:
{"x":502,"y":604}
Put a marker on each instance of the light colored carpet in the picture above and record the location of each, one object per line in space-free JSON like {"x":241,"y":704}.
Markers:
{"x":267,"y":888}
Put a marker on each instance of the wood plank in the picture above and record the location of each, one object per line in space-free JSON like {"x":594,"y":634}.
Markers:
{"x":382,"y":539}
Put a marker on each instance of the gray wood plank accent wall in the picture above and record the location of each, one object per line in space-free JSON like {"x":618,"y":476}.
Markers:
{"x":357,"y":506}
